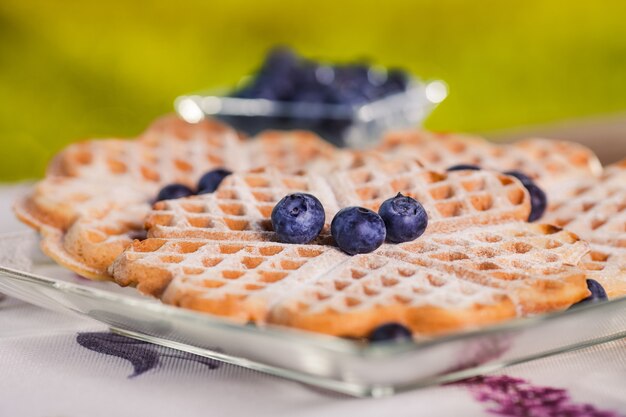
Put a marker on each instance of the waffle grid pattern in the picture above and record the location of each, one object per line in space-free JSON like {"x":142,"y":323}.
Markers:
{"x":597,"y":213}
{"x":516,"y":269}
{"x":598,"y":210}
{"x":97,"y":194}
{"x":528,"y":257}
{"x":243,"y":203}
{"x":557,"y":166}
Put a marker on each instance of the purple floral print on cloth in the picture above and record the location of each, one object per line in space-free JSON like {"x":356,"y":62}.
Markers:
{"x":143,"y":356}
{"x":514,"y":397}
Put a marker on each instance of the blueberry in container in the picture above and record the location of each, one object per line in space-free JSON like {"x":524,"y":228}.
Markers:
{"x":349,"y":104}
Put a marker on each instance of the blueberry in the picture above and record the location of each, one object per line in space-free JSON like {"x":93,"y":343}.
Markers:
{"x":324,"y":74}
{"x":397,"y":81}
{"x":538,"y":199}
{"x":358,"y":230}
{"x":173,"y":191}
{"x":285,"y":76}
{"x":263,"y":91}
{"x":309,"y":96}
{"x":389,"y":332}
{"x":597,"y":291}
{"x":524,"y":179}
{"x":211,"y":180}
{"x":461,"y":167}
{"x":405,"y":218}
{"x":281,"y":60}
{"x":355,"y":75}
{"x":298,"y":218}
{"x":276,"y":78}
{"x":274,"y":86}
{"x":304,"y":76}
{"x":343,"y":94}
{"x":597,"y":294}
{"x":538,"y":202}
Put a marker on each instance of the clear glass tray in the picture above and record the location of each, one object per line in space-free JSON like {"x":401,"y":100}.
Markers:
{"x":346,"y":366}
{"x":343,"y":125}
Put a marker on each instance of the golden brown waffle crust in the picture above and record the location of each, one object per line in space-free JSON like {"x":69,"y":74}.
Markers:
{"x":52,"y":239}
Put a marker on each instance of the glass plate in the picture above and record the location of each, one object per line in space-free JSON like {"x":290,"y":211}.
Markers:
{"x":347,"y":366}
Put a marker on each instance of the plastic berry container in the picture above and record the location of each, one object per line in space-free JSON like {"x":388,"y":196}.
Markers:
{"x":341,"y":124}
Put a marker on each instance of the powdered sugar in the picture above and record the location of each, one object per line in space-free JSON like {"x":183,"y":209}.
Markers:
{"x":557,"y":166}
{"x":597,"y":213}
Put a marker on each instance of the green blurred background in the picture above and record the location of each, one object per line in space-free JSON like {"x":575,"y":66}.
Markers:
{"x":77,"y":69}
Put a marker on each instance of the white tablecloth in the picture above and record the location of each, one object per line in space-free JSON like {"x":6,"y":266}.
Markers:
{"x":56,"y":365}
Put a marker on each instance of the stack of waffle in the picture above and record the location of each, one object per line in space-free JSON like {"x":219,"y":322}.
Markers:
{"x":479,"y":262}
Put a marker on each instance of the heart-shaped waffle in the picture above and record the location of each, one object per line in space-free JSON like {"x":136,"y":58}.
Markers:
{"x":556,"y":166}
{"x":477,"y":263}
{"x":97,"y":193}
{"x":243,"y":203}
{"x":597,"y":213}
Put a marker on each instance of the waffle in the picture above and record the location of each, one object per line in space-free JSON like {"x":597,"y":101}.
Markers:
{"x":318,"y":288}
{"x":597,"y":213}
{"x":476,"y":264}
{"x":96,"y":195}
{"x":557,"y":166}
{"x":240,"y":208}
{"x":441,"y":284}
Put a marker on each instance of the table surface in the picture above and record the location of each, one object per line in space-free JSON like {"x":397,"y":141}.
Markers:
{"x":61,"y":365}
